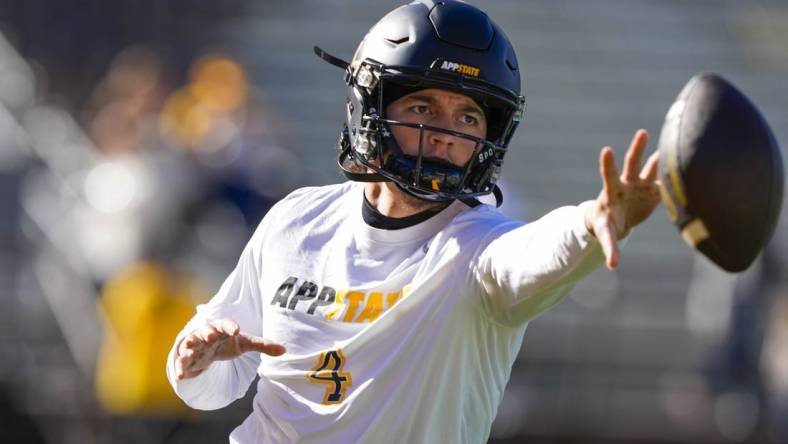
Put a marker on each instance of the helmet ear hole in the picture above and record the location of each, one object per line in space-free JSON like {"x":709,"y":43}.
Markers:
{"x":350,"y":106}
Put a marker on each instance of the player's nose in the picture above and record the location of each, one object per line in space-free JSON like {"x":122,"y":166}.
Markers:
{"x":439,"y":143}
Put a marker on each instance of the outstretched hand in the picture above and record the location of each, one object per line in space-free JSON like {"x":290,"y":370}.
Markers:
{"x":220,"y":340}
{"x":626,"y":200}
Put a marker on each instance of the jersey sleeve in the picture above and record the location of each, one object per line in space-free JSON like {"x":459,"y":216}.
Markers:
{"x":239,"y":298}
{"x":525,"y":270}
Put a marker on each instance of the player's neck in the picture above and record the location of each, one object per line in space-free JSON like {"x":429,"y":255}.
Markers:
{"x":390,"y":201}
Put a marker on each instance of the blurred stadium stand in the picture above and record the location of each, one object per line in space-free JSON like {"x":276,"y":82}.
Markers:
{"x":666,"y":349}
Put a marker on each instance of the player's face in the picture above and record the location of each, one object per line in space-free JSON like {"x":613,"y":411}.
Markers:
{"x":442,"y":109}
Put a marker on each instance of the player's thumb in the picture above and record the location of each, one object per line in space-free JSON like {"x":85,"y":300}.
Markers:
{"x":251,"y":343}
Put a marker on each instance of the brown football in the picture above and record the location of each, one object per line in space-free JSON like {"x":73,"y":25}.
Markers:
{"x":721,"y":172}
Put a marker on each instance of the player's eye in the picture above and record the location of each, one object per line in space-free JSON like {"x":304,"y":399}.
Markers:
{"x":469,"y":119}
{"x":419,"y":109}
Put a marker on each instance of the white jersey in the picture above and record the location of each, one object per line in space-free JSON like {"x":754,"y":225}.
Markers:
{"x":392,"y":336}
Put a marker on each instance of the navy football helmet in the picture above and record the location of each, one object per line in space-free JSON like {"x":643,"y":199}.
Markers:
{"x":444,"y":44}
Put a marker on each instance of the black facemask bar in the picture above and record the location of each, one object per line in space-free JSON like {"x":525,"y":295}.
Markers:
{"x":429,"y":179}
{"x":426,"y":179}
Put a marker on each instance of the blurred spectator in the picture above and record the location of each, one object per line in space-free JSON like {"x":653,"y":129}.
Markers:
{"x":174,"y":190}
{"x":142,"y":307}
{"x":147,"y":207}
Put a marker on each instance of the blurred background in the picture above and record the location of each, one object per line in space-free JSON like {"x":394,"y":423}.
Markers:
{"x":141,"y":142}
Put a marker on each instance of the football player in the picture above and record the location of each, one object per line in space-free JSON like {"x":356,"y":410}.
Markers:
{"x":391,"y":307}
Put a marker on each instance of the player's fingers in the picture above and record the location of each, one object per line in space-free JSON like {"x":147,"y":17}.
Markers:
{"x":186,"y":374}
{"x":179,"y":364}
{"x":649,"y":173}
{"x":187,"y":343}
{"x":226,"y":326}
{"x":634,"y":156}
{"x":250,"y":343}
{"x":193,"y":341}
{"x":609,"y":173}
{"x":208,"y":334}
{"x":186,"y":366}
{"x":187,"y":355}
{"x":199,"y":349}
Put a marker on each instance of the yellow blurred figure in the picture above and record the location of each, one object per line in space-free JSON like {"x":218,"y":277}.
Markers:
{"x":144,"y":308}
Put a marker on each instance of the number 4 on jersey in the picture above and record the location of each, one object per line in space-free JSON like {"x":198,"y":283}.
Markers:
{"x":329,"y":371}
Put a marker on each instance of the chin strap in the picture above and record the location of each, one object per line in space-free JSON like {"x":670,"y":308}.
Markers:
{"x":474,"y":202}
{"x":355,"y":175}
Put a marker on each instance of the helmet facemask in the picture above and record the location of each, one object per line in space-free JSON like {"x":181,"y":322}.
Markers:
{"x":370,"y":142}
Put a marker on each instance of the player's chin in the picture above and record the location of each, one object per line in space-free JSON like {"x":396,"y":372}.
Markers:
{"x":416,"y":203}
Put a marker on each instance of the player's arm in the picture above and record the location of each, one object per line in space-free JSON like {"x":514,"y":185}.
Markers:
{"x":527,"y":270}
